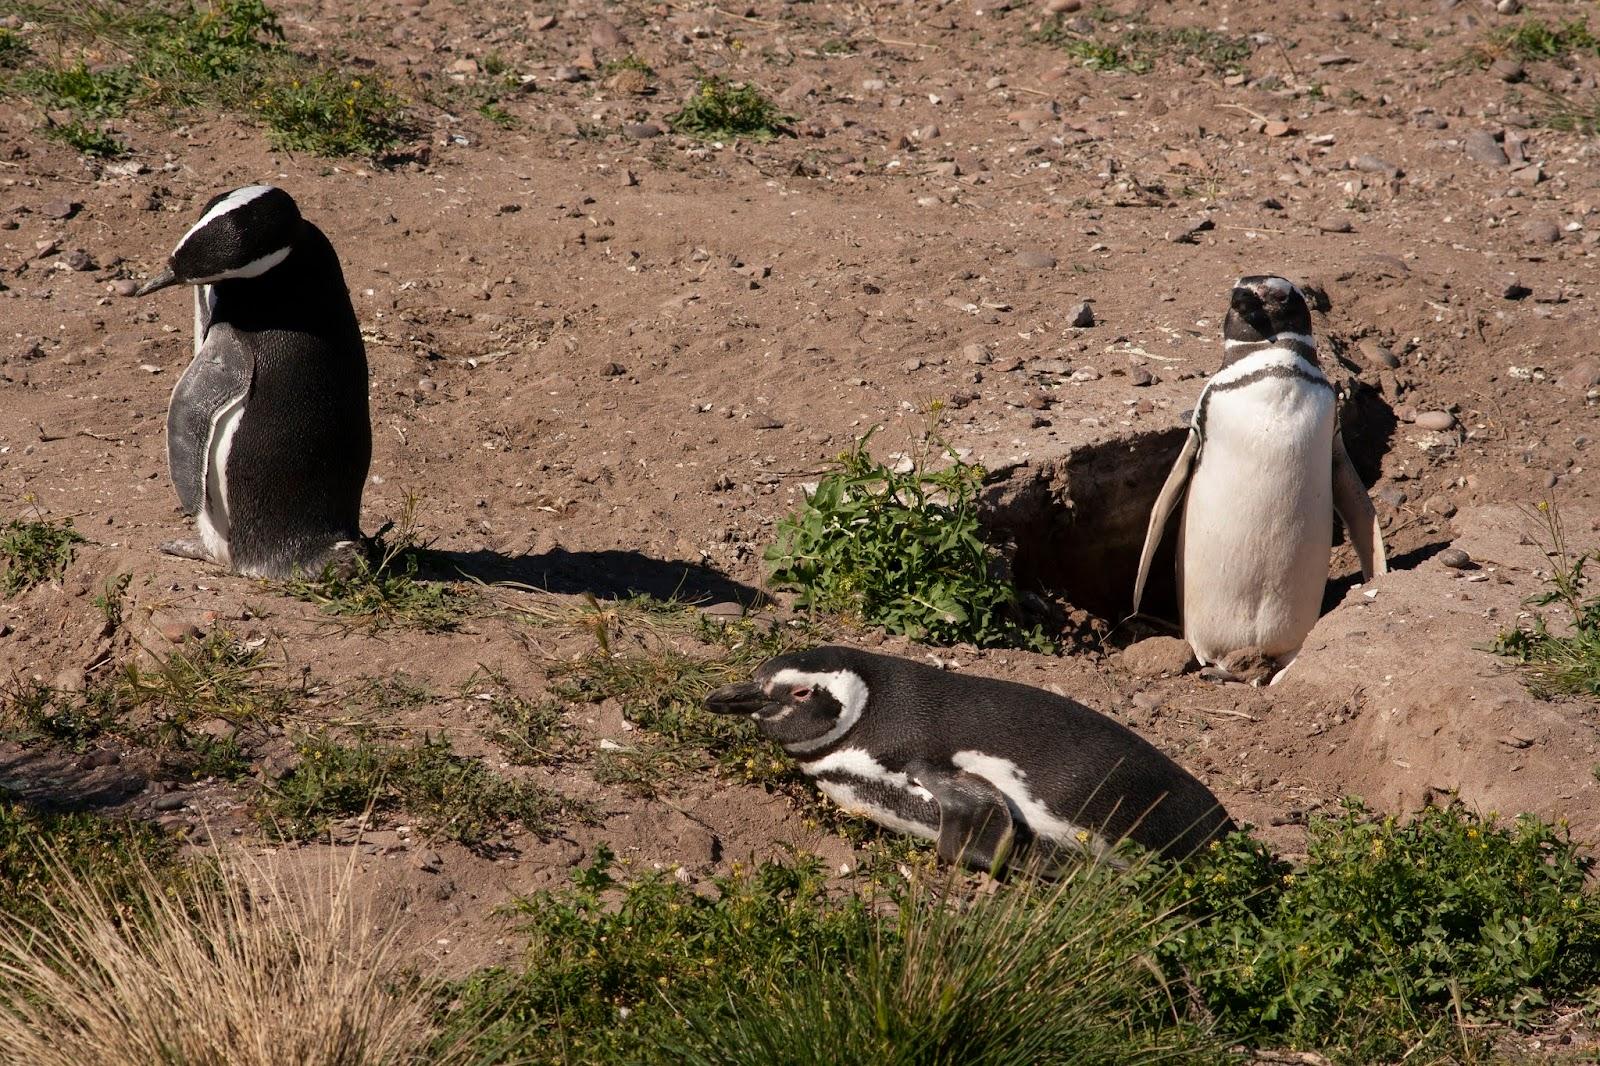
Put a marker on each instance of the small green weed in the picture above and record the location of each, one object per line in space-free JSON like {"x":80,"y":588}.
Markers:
{"x":1533,"y":39}
{"x":1567,"y":665}
{"x":109,"y":601}
{"x":14,"y":49}
{"x":383,"y":589}
{"x":629,"y":62}
{"x":526,"y":730}
{"x":1136,"y":50}
{"x":1392,"y":935}
{"x":721,"y":110}
{"x":35,"y":847}
{"x":452,"y":796}
{"x":226,"y":54}
{"x":35,"y":552}
{"x":901,"y":550}
{"x":330,"y":112}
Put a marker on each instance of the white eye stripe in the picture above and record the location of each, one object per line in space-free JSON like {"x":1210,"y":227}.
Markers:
{"x":236,"y":198}
{"x":846,"y":687}
{"x":253,"y":269}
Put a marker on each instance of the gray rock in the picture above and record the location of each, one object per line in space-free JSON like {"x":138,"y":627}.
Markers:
{"x":1507,"y":69}
{"x":641,"y":131}
{"x":1436,"y":421}
{"x":1482,"y":146}
{"x":1541,"y":231}
{"x":1377,"y":355}
{"x":59,"y":209}
{"x":1189,"y":231}
{"x":1035,"y":259}
{"x":1158,"y":657}
{"x":1455,"y":559}
{"x":1439,"y":505}
{"x":1393,"y":495}
{"x":1081,"y":316}
{"x":1516,"y":291}
{"x":977,"y":354}
{"x":172,"y":801}
{"x":125,"y":286}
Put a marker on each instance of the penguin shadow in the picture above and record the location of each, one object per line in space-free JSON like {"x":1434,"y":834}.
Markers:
{"x":607,"y":575}
{"x":1336,"y":591}
{"x":51,"y":784}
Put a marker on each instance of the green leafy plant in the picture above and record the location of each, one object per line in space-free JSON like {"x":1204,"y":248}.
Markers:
{"x":1566,"y":664}
{"x":93,"y":141}
{"x":14,"y":49}
{"x":330,"y":112}
{"x":35,"y":552}
{"x":900,"y":550}
{"x":453,"y":796}
{"x":1136,"y":50}
{"x":1391,"y":935}
{"x":1533,"y":39}
{"x":724,"y":110}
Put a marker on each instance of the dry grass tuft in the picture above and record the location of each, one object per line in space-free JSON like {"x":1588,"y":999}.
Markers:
{"x":237,"y":968}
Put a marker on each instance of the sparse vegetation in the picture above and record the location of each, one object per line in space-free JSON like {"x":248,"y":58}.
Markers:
{"x":34,"y":552}
{"x":1567,"y":663}
{"x":452,"y":796}
{"x":1136,"y":50}
{"x":237,"y":967}
{"x":227,"y":55}
{"x":1534,"y":39}
{"x":724,"y":110}
{"x":900,"y":549}
{"x":382,"y":587}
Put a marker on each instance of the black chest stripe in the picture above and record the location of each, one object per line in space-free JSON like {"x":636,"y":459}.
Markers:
{"x":1199,"y":419}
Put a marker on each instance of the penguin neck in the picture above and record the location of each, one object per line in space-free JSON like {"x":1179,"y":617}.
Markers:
{"x":1298,"y":344}
{"x":305,"y":292}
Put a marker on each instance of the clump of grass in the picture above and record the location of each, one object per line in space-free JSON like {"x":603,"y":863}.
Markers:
{"x":330,"y":112}
{"x":773,"y":969}
{"x":240,"y":968}
{"x":14,"y":49}
{"x":1533,"y":39}
{"x":37,"y":848}
{"x":226,"y":54}
{"x":525,"y":730}
{"x":191,"y":708}
{"x":1394,"y":939}
{"x":1136,"y":50}
{"x":35,"y":552}
{"x":453,"y":796}
{"x":722,"y":110}
{"x":383,"y":587}
{"x":1560,"y":664}
{"x":904,"y":551}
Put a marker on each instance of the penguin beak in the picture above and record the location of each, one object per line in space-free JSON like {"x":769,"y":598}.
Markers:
{"x":160,"y":281}
{"x":747,"y":697}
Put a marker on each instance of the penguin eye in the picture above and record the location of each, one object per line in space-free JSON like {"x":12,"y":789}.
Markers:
{"x":800,"y":694}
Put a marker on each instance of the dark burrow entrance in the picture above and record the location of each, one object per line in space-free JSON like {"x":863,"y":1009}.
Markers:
{"x":1072,"y":525}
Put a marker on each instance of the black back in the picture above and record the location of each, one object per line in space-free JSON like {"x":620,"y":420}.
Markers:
{"x":1087,"y":768}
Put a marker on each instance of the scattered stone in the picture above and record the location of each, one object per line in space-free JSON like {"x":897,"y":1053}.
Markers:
{"x":463,"y":67}
{"x":613,"y":370}
{"x":1580,"y":377}
{"x":564,"y":72}
{"x":80,"y":260}
{"x":768,"y":422}
{"x":911,"y":365}
{"x":1141,"y":377}
{"x":60,"y":210}
{"x":125,"y":286}
{"x":1439,"y":505}
{"x":977,"y":354}
{"x":1335,"y":225}
{"x":1516,"y":291}
{"x":1393,"y":495}
{"x":1529,"y":175}
{"x":172,"y":801}
{"x":725,"y":609}
{"x":1085,"y":373}
{"x":1190,"y":230}
{"x":1508,"y":7}
{"x":1334,"y":59}
{"x":1377,"y":355}
{"x":1507,"y":69}
{"x":1081,"y":316}
{"x":606,"y":35}
{"x":1373,"y":165}
{"x":1455,"y":559}
{"x":641,"y":131}
{"x":1158,"y":657}
{"x":1484,"y":147}
{"x":99,"y":757}
{"x":429,"y":861}
{"x":1541,"y":231}
{"x":1436,"y":421}
{"x":1062,"y":7}
{"x":1035,"y":259}
{"x":178,"y":632}
{"x":1277,"y":128}
{"x":1008,"y":364}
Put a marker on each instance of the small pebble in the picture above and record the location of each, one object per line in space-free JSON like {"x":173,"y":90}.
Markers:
{"x":1035,"y":259}
{"x":1439,"y":505}
{"x":1455,"y":559}
{"x":1081,"y":316}
{"x":977,"y":354}
{"x":124,"y":286}
{"x":1437,"y":421}
{"x":1482,"y":146}
{"x":1541,"y":231}
{"x":172,"y":801}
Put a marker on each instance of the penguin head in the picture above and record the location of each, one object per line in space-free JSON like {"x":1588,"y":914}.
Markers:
{"x":803,"y":701}
{"x":1264,"y":307}
{"x":241,"y":234}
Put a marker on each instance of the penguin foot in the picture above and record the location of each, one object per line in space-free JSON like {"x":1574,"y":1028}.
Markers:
{"x":345,"y":558}
{"x":1247,"y":666}
{"x":187,"y":548}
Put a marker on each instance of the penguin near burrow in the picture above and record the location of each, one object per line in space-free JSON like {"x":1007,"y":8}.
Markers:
{"x":1261,"y":473}
{"x":268,"y":431}
{"x":996,"y":773}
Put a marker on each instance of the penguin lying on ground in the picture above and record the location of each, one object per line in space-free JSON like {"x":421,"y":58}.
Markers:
{"x":268,"y":434}
{"x":1265,"y":468}
{"x":988,"y":769}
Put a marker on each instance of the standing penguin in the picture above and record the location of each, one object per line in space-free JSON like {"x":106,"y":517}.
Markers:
{"x":989,"y":769}
{"x":268,"y":433}
{"x":1265,"y":468}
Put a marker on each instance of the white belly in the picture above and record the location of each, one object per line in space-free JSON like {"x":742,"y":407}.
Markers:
{"x":1257,"y":522}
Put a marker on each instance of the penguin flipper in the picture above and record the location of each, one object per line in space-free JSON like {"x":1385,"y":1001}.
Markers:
{"x":220,"y":375}
{"x":1161,"y":513}
{"x":1355,"y":509}
{"x":975,"y":825}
